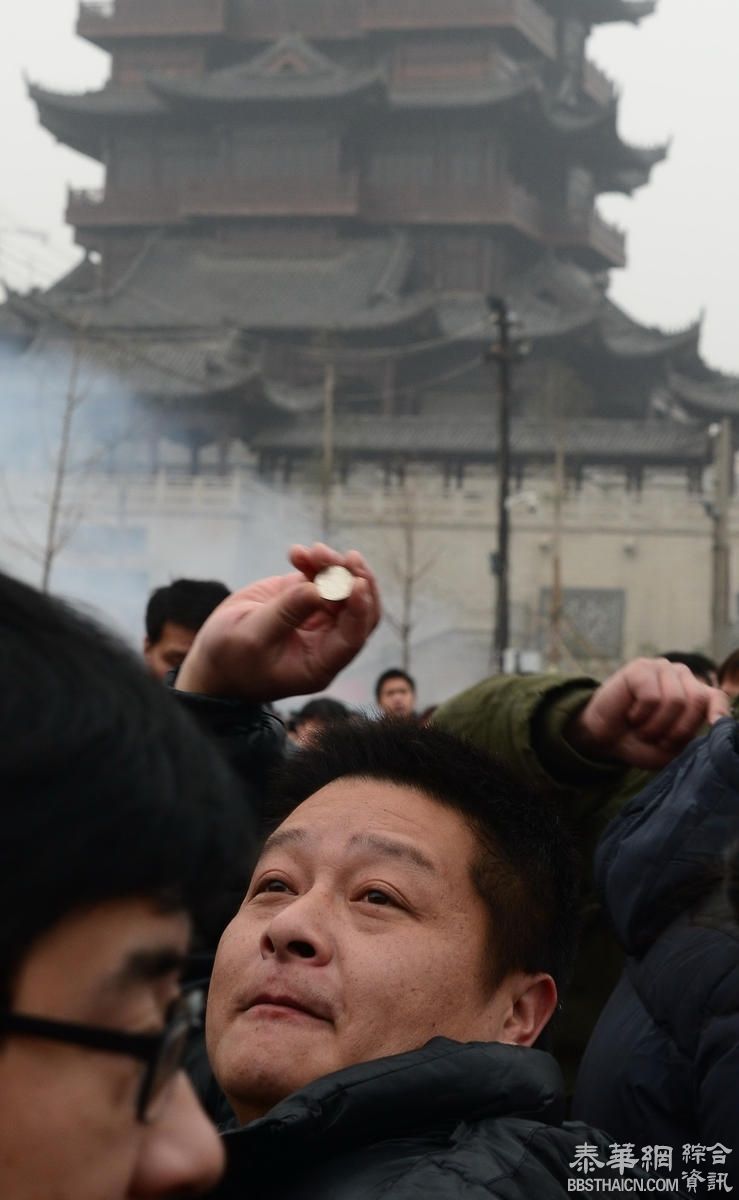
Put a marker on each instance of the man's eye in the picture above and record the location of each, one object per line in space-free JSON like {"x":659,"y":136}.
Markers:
{"x":272,"y":885}
{"x":376,"y":896}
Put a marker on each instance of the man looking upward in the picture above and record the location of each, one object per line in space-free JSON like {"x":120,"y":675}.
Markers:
{"x":398,"y":952}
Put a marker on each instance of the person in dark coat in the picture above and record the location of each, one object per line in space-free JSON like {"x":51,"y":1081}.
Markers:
{"x":663,"y":1062}
{"x":375,"y":1001}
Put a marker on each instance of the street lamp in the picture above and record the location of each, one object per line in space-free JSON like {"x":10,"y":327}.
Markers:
{"x":506,"y":348}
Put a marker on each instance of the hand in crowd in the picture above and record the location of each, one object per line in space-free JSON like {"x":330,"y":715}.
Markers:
{"x":278,"y":637}
{"x":645,"y":714}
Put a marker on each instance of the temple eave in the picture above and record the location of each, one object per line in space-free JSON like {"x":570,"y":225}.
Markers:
{"x":604,"y":440}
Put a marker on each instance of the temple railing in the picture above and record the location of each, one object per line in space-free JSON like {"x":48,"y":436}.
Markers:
{"x":214,"y":198}
{"x":527,"y":17}
{"x":151,"y":18}
{"x":313,"y":18}
{"x":262,"y":196}
{"x":604,"y":245}
{"x":503,"y":203}
{"x":91,"y":208}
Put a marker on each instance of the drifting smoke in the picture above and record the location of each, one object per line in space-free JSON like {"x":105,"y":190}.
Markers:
{"x":86,"y":508}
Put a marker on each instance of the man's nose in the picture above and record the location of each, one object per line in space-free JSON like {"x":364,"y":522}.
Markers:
{"x":181,"y":1154}
{"x":300,"y":930}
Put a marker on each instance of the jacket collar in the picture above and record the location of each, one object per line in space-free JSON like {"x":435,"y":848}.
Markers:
{"x":444,"y":1082}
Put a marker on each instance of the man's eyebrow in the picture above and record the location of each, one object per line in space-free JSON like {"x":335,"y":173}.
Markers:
{"x":285,"y":837}
{"x":389,"y":848}
{"x":147,"y":966}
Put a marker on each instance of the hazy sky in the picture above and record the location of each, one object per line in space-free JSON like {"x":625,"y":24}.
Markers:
{"x":679,"y":79}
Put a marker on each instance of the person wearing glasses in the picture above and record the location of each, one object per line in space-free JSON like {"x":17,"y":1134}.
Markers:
{"x":120,"y":825}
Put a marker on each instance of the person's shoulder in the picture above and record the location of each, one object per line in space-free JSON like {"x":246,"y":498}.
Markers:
{"x":504,"y":1157}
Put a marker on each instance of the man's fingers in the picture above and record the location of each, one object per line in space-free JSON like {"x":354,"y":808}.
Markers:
{"x":642,"y":679}
{"x":357,"y":564}
{"x":354,"y":623}
{"x":290,"y":610}
{"x":674,"y":703}
{"x":312,"y":559}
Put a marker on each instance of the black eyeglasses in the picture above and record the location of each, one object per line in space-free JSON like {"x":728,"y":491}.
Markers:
{"x":162,"y":1052}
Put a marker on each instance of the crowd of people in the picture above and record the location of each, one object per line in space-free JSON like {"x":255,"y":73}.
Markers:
{"x":487,"y":950}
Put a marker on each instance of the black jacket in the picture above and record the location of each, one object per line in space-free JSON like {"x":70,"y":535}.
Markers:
{"x":662,"y":1065}
{"x":451,"y":1120}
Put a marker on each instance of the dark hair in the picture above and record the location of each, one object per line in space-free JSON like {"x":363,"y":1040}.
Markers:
{"x":729,"y":668}
{"x":108,"y":790}
{"x":393,"y":673}
{"x":701,"y":665}
{"x":525,"y":870}
{"x":324,"y":708}
{"x":186,"y":602}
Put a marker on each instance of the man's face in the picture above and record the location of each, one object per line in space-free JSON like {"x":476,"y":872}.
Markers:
{"x":69,"y":1129}
{"x":397,"y":698}
{"x":170,"y":650}
{"x":361,"y":936}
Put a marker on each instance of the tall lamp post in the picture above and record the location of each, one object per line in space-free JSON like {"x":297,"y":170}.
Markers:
{"x":506,"y":348}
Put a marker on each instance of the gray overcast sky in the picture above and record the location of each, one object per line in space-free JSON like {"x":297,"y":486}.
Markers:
{"x":679,"y":80}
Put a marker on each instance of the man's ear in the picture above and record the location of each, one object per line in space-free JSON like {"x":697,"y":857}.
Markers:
{"x":530,"y":1001}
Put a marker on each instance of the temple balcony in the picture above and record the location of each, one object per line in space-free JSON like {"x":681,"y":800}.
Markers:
{"x":504,"y":203}
{"x":591,"y":240}
{"x":525,"y":18}
{"x":96,"y":209}
{"x":325,"y":19}
{"x":320,"y":196}
{"x":104,"y":22}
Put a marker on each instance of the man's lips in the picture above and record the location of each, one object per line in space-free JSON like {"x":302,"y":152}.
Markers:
{"x":310,"y":1008}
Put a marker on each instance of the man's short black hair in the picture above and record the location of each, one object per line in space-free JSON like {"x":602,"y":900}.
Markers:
{"x":393,"y":673}
{"x":108,"y":790}
{"x":703,"y":667}
{"x":186,"y":602}
{"x":323,"y":708}
{"x":525,"y":870}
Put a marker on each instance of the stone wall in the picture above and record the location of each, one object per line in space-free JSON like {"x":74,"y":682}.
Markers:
{"x":635,"y":566}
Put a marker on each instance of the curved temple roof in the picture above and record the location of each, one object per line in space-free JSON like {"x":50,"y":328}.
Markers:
{"x":718,"y":396}
{"x":601,"y":11}
{"x":178,"y":283}
{"x":288,"y":70}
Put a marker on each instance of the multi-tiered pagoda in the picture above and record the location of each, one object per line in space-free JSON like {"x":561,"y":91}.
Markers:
{"x":304,"y":194}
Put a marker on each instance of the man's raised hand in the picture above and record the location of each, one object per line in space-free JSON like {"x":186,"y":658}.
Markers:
{"x":645,"y":714}
{"x":278,"y":637}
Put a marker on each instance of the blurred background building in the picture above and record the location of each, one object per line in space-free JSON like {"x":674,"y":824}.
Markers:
{"x":307,"y":206}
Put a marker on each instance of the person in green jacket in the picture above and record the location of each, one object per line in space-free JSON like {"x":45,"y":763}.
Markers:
{"x":592,"y":747}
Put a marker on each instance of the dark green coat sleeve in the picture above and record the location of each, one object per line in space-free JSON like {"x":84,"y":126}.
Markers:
{"x":522,"y":721}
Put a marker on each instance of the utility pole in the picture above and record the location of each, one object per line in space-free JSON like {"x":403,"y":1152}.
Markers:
{"x":505,"y":349}
{"x":723,"y":476}
{"x":327,"y":468}
{"x":555,"y":614}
